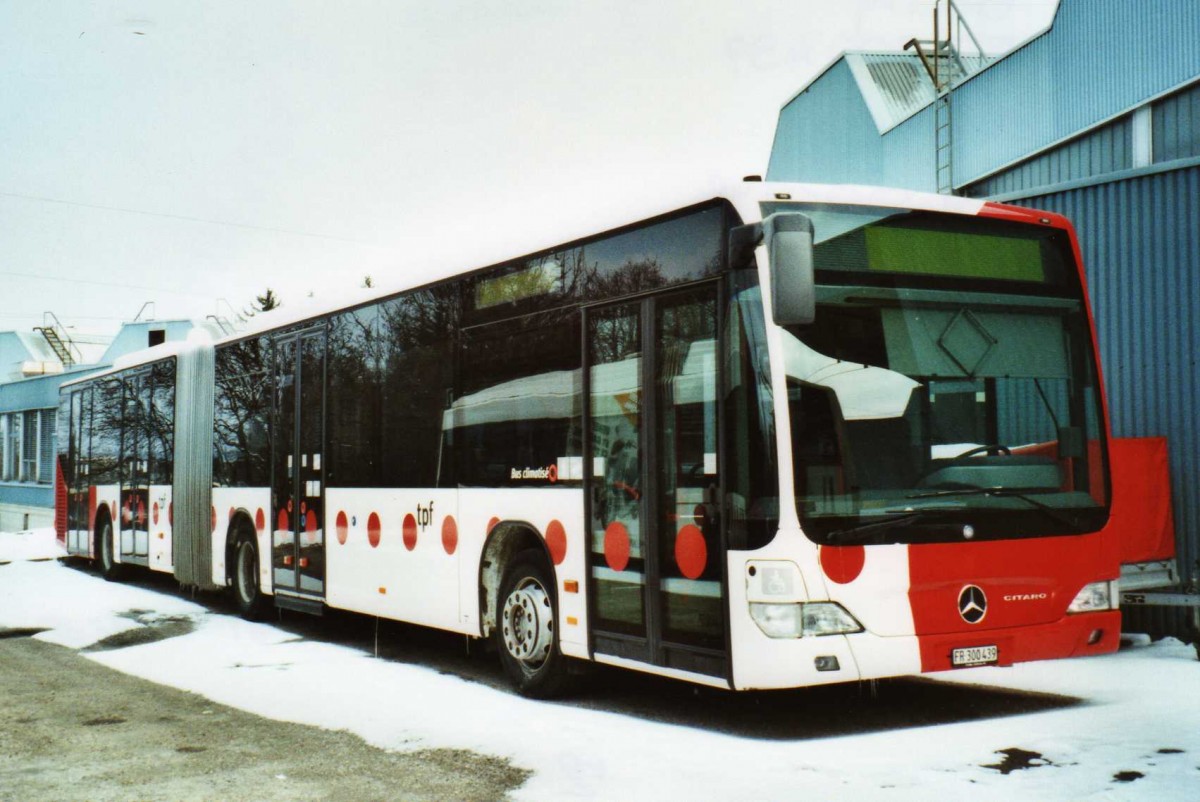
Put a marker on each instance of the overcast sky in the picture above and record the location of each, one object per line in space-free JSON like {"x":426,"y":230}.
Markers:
{"x":187,"y":152}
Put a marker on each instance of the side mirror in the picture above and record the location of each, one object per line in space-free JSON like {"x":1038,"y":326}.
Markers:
{"x":789,"y":240}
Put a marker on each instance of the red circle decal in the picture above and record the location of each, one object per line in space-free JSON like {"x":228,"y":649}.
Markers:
{"x":373,"y":530}
{"x":842,"y":564}
{"x":410,"y":532}
{"x":449,"y":534}
{"x":214,"y":519}
{"x":343,"y":527}
{"x":154,"y":513}
{"x":281,"y":523}
{"x":556,"y":541}
{"x":260,"y":520}
{"x":691,"y":552}
{"x":310,"y":521}
{"x":616,"y":546}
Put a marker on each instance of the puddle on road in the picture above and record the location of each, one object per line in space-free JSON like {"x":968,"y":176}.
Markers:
{"x":1127,"y":776}
{"x":103,"y":721}
{"x":1018,"y":760}
{"x":152,"y":628}
{"x":20,"y":632}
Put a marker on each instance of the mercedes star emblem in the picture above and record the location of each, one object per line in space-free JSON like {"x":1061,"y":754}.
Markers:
{"x":972,"y":604}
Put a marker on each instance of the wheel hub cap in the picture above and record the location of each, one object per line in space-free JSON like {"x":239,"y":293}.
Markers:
{"x":528,"y":628}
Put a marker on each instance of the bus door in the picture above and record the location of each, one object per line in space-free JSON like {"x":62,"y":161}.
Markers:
{"x":298,"y":436}
{"x":76,"y":479}
{"x":656,"y":548}
{"x":135,"y":470}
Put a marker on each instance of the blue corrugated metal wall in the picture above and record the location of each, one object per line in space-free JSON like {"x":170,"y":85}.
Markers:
{"x":826,"y":134}
{"x":1105,"y":150}
{"x":1100,"y":58}
{"x":1176,"y":126}
{"x":1141,"y":247}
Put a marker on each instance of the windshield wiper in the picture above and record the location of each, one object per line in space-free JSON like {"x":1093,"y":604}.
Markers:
{"x":1055,"y":514}
{"x":875,"y":533}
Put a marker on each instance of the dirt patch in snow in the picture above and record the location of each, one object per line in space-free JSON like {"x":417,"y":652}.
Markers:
{"x":72,"y":729}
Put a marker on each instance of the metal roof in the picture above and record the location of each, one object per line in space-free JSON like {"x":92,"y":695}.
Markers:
{"x":895,"y":86}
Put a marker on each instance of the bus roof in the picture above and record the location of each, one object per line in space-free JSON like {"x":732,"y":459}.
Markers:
{"x":745,"y":197}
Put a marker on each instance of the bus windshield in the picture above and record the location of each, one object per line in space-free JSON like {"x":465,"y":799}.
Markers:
{"x":946,"y":388}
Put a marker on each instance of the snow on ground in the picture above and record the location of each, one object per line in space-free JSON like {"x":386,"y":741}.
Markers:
{"x":1135,"y":703}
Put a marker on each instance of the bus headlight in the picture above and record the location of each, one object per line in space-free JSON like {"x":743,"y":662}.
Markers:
{"x":1095,"y":596}
{"x":803,"y":620}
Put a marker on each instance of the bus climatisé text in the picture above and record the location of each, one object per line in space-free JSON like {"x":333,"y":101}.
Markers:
{"x":789,"y":436}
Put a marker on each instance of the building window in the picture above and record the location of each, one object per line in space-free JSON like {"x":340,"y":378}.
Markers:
{"x":12,"y":446}
{"x":46,"y":446}
{"x":1176,"y":125}
{"x":27,"y":446}
{"x":29,"y":443}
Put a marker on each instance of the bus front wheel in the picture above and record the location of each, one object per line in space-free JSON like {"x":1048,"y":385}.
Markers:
{"x":527,"y":631}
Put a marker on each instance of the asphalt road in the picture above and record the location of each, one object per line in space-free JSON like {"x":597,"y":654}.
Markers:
{"x":72,"y":729}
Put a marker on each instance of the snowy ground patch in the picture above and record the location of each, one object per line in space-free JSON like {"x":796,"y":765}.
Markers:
{"x":31,"y":544}
{"x":1132,"y":734}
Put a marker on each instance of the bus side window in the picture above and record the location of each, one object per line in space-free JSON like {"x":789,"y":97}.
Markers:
{"x":821,"y":470}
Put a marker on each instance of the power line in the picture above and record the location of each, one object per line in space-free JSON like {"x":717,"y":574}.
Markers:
{"x":38,"y":317}
{"x":115,"y":284}
{"x":183,"y":217}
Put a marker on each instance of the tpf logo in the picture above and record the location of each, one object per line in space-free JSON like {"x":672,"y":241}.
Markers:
{"x":972,"y":604}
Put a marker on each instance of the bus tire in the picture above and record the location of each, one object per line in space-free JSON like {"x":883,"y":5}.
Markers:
{"x":251,"y":602}
{"x":526,"y":631}
{"x":110,"y":569}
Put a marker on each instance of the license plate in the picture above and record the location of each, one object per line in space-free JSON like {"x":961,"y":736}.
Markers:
{"x":974,"y":656}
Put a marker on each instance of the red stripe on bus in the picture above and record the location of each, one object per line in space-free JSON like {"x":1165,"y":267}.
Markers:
{"x":1026,"y":582}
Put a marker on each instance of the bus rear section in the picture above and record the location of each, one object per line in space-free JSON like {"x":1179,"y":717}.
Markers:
{"x":945,"y":450}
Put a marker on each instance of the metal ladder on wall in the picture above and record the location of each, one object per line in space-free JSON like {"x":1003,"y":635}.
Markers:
{"x":55,"y":334}
{"x":945,"y":66}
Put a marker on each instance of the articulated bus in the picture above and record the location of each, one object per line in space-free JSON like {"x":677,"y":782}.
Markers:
{"x":787,"y":436}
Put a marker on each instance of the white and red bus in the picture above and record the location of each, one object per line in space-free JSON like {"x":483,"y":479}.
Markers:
{"x":787,"y":436}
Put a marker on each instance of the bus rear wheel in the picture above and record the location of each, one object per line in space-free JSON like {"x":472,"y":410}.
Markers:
{"x":251,"y":603}
{"x":527,"y":630}
{"x":110,"y":569}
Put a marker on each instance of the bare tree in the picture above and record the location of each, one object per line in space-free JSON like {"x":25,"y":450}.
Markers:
{"x":267,"y":301}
